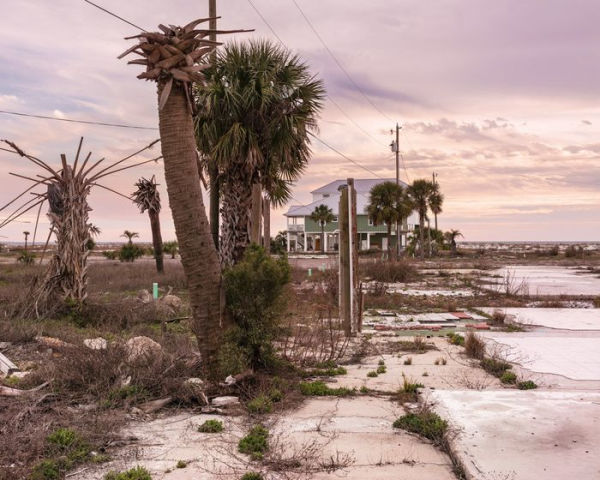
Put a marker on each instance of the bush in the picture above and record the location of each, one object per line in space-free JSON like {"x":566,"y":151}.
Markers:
{"x":495,"y":367}
{"x":181,"y":464}
{"x":372,"y":374}
{"x":253,"y":296}
{"x":26,"y":257}
{"x":526,"y":385}
{"x":425,"y":423}
{"x":410,"y":387}
{"x":509,"y":378}
{"x":381,"y":369}
{"x":260,"y":404}
{"x":252,"y":475}
{"x":399,"y":271}
{"x":325,"y":372}
{"x":319,"y":389}
{"x":456,"y":339}
{"x":474,"y":346}
{"x":46,"y":470}
{"x":275,"y":395}
{"x":130,"y":252}
{"x":408,"y":361}
{"x":211,"y":426}
{"x":171,"y":248}
{"x":110,"y":254}
{"x":255,"y":443}
{"x":137,"y":473}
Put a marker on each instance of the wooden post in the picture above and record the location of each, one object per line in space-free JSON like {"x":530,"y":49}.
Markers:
{"x":344,"y":262}
{"x":353,"y":245}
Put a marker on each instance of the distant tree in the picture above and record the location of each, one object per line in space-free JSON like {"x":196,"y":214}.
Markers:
{"x":436,"y":200}
{"x":130,"y":236}
{"x":321,"y":215}
{"x":26,"y":233}
{"x":451,"y":237}
{"x":147,"y":198}
{"x":420,"y":192}
{"x":279,"y":243}
{"x":171,"y":247}
{"x":388,"y":204}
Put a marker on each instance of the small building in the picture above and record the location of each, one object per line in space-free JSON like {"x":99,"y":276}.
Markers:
{"x":304,"y":234}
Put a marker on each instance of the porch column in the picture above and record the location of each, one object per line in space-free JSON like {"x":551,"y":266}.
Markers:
{"x":325,"y":241}
{"x":305,"y":242}
{"x":368,"y":241}
{"x":288,"y":241}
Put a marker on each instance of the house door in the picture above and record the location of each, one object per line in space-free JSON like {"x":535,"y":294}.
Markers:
{"x":318,"y":244}
{"x":384,"y":243}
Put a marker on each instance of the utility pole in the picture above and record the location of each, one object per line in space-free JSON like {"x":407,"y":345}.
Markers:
{"x":396,"y":149}
{"x":434,"y":175}
{"x":213,"y":169}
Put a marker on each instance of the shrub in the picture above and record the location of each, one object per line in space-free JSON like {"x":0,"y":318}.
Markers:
{"x":211,"y":426}
{"x":408,"y":361}
{"x":171,"y":248}
{"x":110,"y":254}
{"x":26,"y":258}
{"x":275,"y":395}
{"x":252,"y":476}
{"x":253,"y":296}
{"x":130,"y":252}
{"x":372,"y":374}
{"x":136,"y":473}
{"x":425,"y":423}
{"x":474,"y":346}
{"x":364,"y":389}
{"x":46,"y":470}
{"x":62,"y":438}
{"x":319,"y":389}
{"x":381,"y":369}
{"x":260,"y":404}
{"x":494,"y":366}
{"x":456,"y":339}
{"x":325,"y":372}
{"x":181,"y":464}
{"x":255,"y":443}
{"x":399,"y":271}
{"x":440,"y":361}
{"x":410,"y":387}
{"x":526,"y":385}
{"x":508,"y":377}
{"x":381,"y":362}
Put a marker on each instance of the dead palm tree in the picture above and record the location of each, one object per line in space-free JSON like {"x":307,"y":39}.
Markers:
{"x":172,"y":59}
{"x":26,"y":233}
{"x":147,"y":198}
{"x":420,"y":191}
{"x":321,"y":215}
{"x":254,"y":120}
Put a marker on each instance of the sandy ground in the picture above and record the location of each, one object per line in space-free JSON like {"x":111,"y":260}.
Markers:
{"x":531,"y":435}
{"x":559,"y":318}
{"x":546,"y":280}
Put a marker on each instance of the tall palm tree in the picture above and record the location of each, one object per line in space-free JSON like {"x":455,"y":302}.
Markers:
{"x":130,"y":236}
{"x":388,"y":204}
{"x":451,"y":237}
{"x":26,"y":233}
{"x":172,"y":59}
{"x":321,"y":215}
{"x":436,"y":200}
{"x":146,"y":197}
{"x":420,"y":191}
{"x":255,"y":116}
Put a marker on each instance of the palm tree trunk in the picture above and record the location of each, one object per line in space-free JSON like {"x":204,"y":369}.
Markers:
{"x":428,"y":239}
{"x":198,"y":254}
{"x":435,"y":220}
{"x":156,"y":240}
{"x":421,"y":235}
{"x":389,"y":238}
{"x":267,"y":225}
{"x":213,"y":172}
{"x":322,"y":238}
{"x":255,"y":218}
{"x":235,"y":209}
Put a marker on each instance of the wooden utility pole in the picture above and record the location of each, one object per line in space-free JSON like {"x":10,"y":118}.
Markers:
{"x":348,"y":260}
{"x":213,"y":169}
{"x":434,"y":175}
{"x":398,"y":224}
{"x":267,"y":224}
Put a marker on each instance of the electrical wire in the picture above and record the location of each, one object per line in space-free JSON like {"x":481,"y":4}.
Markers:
{"x":70,"y":120}
{"x":114,"y":15}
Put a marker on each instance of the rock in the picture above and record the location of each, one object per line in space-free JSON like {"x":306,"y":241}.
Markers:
{"x":142,"y":348}
{"x":226,"y":401}
{"x":171,"y":301}
{"x":195,"y":382}
{"x":144,"y":296}
{"x":154,"y":405}
{"x":195,"y":386}
{"x":230,"y":380}
{"x":98,"y":343}
{"x":5,"y":345}
{"x":53,"y":343}
{"x":19,"y":374}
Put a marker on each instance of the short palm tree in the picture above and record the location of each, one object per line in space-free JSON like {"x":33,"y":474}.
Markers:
{"x":26,"y":233}
{"x":321,"y":215}
{"x":130,"y":236}
{"x":171,"y":248}
{"x":147,"y":198}
{"x":451,"y":237}
{"x":255,"y":115}
{"x":420,"y":191}
{"x":389,"y":204}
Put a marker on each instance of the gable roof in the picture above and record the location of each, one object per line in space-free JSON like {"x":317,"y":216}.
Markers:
{"x":362,"y":185}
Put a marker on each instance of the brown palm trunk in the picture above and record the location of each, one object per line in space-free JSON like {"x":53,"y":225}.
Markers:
{"x":421,"y":235}
{"x":236,"y":202}
{"x":196,"y":245}
{"x":156,"y":240}
{"x":428,"y":239}
{"x":389,"y":239}
{"x":322,"y":238}
{"x":267,"y":224}
{"x":255,"y":219}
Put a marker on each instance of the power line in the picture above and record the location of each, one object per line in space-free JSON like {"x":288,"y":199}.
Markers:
{"x":70,"y":120}
{"x":344,"y":156}
{"x":266,"y":23}
{"x":114,"y":15}
{"x":312,"y":27}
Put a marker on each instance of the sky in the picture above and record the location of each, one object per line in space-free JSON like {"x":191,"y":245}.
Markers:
{"x":499,"y":98}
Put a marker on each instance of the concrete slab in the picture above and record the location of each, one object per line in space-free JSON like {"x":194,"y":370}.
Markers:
{"x":549,"y":280}
{"x":525,"y":435}
{"x":575,"y":357}
{"x":560,"y":318}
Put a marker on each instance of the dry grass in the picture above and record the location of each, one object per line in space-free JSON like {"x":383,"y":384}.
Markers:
{"x":401,"y":270}
{"x":474,"y":346}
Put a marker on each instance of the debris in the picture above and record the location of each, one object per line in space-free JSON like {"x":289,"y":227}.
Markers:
{"x":154,"y":405}
{"x":15,"y":392}
{"x":6,"y":366}
{"x":19,"y":374}
{"x":98,"y":343}
{"x":172,"y":301}
{"x":196,"y":388}
{"x":54,"y":343}
{"x":144,"y":296}
{"x":142,"y":348}
{"x":226,"y":401}
{"x":4,"y":345}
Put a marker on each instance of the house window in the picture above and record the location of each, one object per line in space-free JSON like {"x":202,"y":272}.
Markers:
{"x":335,"y":218}
{"x":325,"y":195}
{"x":371,"y":222}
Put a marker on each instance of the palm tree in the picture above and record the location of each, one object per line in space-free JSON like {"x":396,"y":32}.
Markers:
{"x":146,"y":197}
{"x":254,"y":120}
{"x":26,"y":233}
{"x":171,"y":248}
{"x":321,"y":215}
{"x":130,"y":236}
{"x":172,"y":59}
{"x":436,"y":200}
{"x":388,"y":204}
{"x":420,"y":191}
{"x":451,"y":237}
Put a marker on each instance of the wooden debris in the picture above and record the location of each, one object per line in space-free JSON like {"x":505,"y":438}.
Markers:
{"x":15,"y":392}
{"x":6,"y":366}
{"x":155,"y":405}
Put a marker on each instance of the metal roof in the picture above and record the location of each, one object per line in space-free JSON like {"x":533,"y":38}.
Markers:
{"x":362,"y":185}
